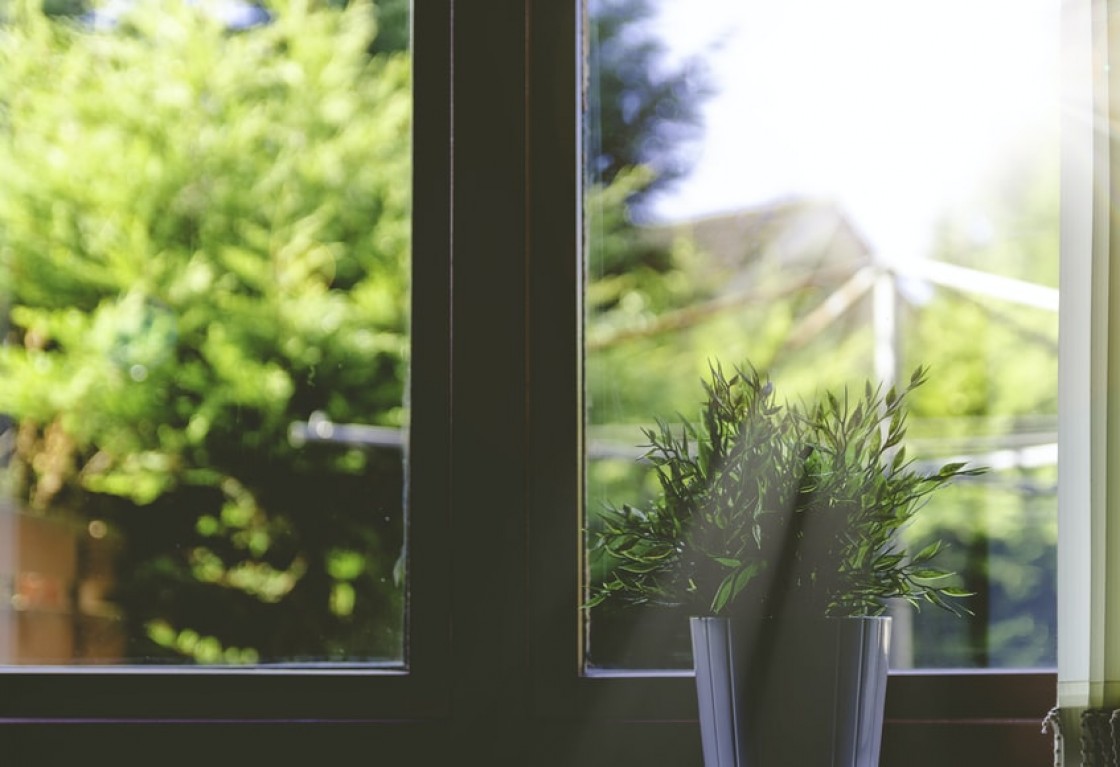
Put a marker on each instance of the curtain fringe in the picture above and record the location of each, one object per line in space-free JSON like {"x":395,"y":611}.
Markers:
{"x":1053,"y":723}
{"x":1099,"y":737}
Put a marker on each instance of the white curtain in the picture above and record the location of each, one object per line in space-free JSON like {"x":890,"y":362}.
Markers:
{"x":1089,"y":440}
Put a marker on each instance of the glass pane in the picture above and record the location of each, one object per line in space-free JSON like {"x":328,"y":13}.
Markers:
{"x":204,"y":248}
{"x":834,"y":193}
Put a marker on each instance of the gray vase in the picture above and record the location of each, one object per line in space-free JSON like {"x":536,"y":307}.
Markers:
{"x":779,"y":693}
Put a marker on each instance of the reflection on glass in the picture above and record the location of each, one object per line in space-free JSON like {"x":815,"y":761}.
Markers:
{"x":831,"y":193}
{"x":204,"y":239}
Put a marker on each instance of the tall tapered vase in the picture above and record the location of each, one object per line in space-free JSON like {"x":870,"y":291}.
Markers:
{"x":808,"y":693}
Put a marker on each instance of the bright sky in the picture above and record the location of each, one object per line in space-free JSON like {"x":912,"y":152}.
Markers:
{"x":891,"y":107}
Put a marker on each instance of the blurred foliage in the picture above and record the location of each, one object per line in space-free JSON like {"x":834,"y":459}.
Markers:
{"x":204,"y":238}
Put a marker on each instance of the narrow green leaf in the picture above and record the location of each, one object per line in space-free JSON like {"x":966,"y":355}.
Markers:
{"x":953,"y":591}
{"x":928,"y":553}
{"x":929,"y":574}
{"x":723,"y":594}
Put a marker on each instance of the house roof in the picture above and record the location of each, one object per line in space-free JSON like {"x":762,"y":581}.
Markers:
{"x":799,"y":237}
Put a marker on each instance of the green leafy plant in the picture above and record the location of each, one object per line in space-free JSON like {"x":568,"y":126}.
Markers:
{"x":768,"y":508}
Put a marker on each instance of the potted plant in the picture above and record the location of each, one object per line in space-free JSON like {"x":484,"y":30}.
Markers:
{"x":777,"y":528}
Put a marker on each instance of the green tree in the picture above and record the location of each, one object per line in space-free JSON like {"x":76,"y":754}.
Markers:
{"x":204,"y":238}
{"x":643,"y":110}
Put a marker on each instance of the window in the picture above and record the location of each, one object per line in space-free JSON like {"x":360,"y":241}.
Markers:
{"x":833,"y":202}
{"x":206,"y":238}
{"x":356,"y":684}
{"x":494,"y":648}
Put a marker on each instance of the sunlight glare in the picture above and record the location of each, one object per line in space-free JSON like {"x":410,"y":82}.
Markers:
{"x":893,"y":109}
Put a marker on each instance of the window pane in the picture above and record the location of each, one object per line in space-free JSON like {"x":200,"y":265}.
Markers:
{"x":204,"y":247}
{"x":831,"y":193}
